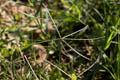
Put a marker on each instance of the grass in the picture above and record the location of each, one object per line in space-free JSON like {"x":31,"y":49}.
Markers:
{"x":83,"y":43}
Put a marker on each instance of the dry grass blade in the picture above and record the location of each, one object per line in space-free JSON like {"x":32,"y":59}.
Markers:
{"x":72,"y":39}
{"x":31,"y":67}
{"x":76,"y":51}
{"x":52,"y":20}
{"x":97,"y":61}
{"x":83,"y":29}
{"x":58,"y":69}
{"x":25,"y":58}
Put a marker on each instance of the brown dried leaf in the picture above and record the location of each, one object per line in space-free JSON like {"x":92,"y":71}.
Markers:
{"x":41,"y":51}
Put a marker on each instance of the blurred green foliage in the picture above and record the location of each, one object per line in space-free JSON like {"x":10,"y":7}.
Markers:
{"x":100,"y":39}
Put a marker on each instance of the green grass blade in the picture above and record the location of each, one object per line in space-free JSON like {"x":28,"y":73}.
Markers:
{"x":118,"y":60}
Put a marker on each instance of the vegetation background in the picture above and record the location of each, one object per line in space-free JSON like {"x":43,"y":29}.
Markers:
{"x":59,"y":40}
